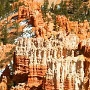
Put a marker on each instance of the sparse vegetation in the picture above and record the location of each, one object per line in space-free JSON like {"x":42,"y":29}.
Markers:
{"x":4,"y":35}
{"x":9,"y":56}
{"x":75,"y":10}
{"x":44,"y":8}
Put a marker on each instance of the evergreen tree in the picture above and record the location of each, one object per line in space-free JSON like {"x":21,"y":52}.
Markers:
{"x":4,"y":34}
{"x":57,"y":9}
{"x":2,"y":11}
{"x":52,"y":8}
{"x":44,"y":8}
{"x":16,"y":25}
{"x":7,"y":9}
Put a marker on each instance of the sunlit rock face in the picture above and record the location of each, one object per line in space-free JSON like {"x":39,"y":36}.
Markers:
{"x":45,"y":64}
{"x":49,"y":61}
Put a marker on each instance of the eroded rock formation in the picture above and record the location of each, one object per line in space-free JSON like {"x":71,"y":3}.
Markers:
{"x":39,"y":58}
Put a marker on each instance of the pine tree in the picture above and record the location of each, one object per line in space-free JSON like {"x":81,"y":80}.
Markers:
{"x":52,"y":8}
{"x":16,"y":25}
{"x":56,"y":9}
{"x":4,"y":34}
{"x":44,"y":8}
{"x":7,"y":9}
{"x":74,"y":8}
